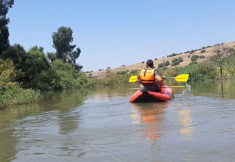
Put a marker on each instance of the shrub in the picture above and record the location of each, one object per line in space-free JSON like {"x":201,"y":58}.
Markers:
{"x":201,"y":57}
{"x":166,"y":63}
{"x":122,"y":72}
{"x":173,"y":54}
{"x":191,"y":52}
{"x":10,"y":92}
{"x":134,"y":72}
{"x":176,"y":61}
{"x":194,"y":58}
{"x":198,"y":72}
{"x":180,"y":59}
{"x":203,"y":51}
{"x":160,"y":65}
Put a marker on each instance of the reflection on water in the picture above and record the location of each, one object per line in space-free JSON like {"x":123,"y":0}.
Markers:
{"x":222,"y":89}
{"x":18,"y":122}
{"x":149,"y":114}
{"x":101,"y":125}
{"x":186,"y":121}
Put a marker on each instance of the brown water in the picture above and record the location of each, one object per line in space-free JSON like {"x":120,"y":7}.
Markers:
{"x":101,"y":125}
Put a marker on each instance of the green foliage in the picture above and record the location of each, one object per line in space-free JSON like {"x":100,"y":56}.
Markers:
{"x":192,"y":51}
{"x":65,"y":51}
{"x":134,"y":72}
{"x":160,"y":65}
{"x":36,"y":65}
{"x":10,"y":92}
{"x":122,"y":72}
{"x":194,"y":58}
{"x":166,"y":63}
{"x":198,"y":72}
{"x":7,"y":70}
{"x":176,"y":61}
{"x":4,"y":33}
{"x":66,"y":76}
{"x":114,"y":79}
{"x":173,"y":54}
{"x":13,"y":94}
{"x":17,"y":54}
{"x":203,"y":51}
{"x":201,"y":57}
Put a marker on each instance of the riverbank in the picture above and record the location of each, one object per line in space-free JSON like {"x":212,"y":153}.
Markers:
{"x":59,"y":76}
{"x":219,"y":67}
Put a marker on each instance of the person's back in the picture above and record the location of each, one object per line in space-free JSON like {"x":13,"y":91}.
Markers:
{"x":149,"y":78}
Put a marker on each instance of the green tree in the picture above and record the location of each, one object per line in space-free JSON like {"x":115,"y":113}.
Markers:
{"x":17,"y":54}
{"x":219,"y":60}
{"x":4,"y":33}
{"x":65,"y":50}
{"x":35,"y":64}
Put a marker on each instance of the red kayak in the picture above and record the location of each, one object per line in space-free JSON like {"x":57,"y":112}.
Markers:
{"x":165,"y":94}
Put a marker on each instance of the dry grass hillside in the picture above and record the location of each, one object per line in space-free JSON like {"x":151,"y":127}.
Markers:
{"x":204,"y":54}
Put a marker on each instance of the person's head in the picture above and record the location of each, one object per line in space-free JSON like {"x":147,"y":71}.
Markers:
{"x":149,"y":63}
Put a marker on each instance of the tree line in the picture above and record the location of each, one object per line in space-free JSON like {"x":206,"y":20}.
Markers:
{"x":34,"y":68}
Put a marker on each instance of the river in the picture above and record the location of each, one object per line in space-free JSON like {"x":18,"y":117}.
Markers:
{"x":101,"y":125}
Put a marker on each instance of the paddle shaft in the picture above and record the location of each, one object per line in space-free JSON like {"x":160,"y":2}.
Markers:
{"x":167,"y":87}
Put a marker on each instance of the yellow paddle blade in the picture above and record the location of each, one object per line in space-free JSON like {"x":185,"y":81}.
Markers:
{"x":182,"y":78}
{"x":133,"y":79}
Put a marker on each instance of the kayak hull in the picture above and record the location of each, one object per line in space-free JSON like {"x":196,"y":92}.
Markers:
{"x":165,"y":94}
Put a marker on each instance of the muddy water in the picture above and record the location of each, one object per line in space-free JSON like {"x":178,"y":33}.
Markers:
{"x":101,"y":125}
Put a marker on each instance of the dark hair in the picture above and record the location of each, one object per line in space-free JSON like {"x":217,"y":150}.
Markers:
{"x":150,"y":63}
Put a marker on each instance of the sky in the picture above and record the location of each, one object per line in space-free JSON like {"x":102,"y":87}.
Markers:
{"x":112,"y":33}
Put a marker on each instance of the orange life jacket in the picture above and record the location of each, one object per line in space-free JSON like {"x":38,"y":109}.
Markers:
{"x":147,"y":76}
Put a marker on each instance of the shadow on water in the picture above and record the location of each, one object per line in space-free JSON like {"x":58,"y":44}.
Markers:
{"x":150,"y":115}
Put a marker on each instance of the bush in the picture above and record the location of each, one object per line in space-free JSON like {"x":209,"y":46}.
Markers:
{"x":198,"y":72}
{"x":122,"y":72}
{"x":176,"y":61}
{"x":160,"y":65}
{"x":134,"y":72}
{"x":201,"y":57}
{"x":166,"y":63}
{"x":173,"y":54}
{"x":191,"y":52}
{"x":194,"y":58}
{"x":203,"y":51}
{"x":10,"y":92}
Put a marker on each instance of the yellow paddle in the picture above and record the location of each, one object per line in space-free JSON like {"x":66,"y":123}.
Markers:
{"x":178,"y":78}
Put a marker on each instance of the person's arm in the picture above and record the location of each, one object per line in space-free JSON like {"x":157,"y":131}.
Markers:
{"x":158,"y":78}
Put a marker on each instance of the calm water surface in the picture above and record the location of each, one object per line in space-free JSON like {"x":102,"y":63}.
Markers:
{"x":101,"y":125}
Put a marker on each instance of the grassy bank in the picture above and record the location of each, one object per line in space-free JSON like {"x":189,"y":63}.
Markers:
{"x":12,"y":94}
{"x":120,"y":78}
{"x":60,"y":76}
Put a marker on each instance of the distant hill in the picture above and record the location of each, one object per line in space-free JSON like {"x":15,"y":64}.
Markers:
{"x":203,"y":54}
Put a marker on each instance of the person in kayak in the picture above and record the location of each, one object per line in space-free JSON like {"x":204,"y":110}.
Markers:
{"x":149,"y":78}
